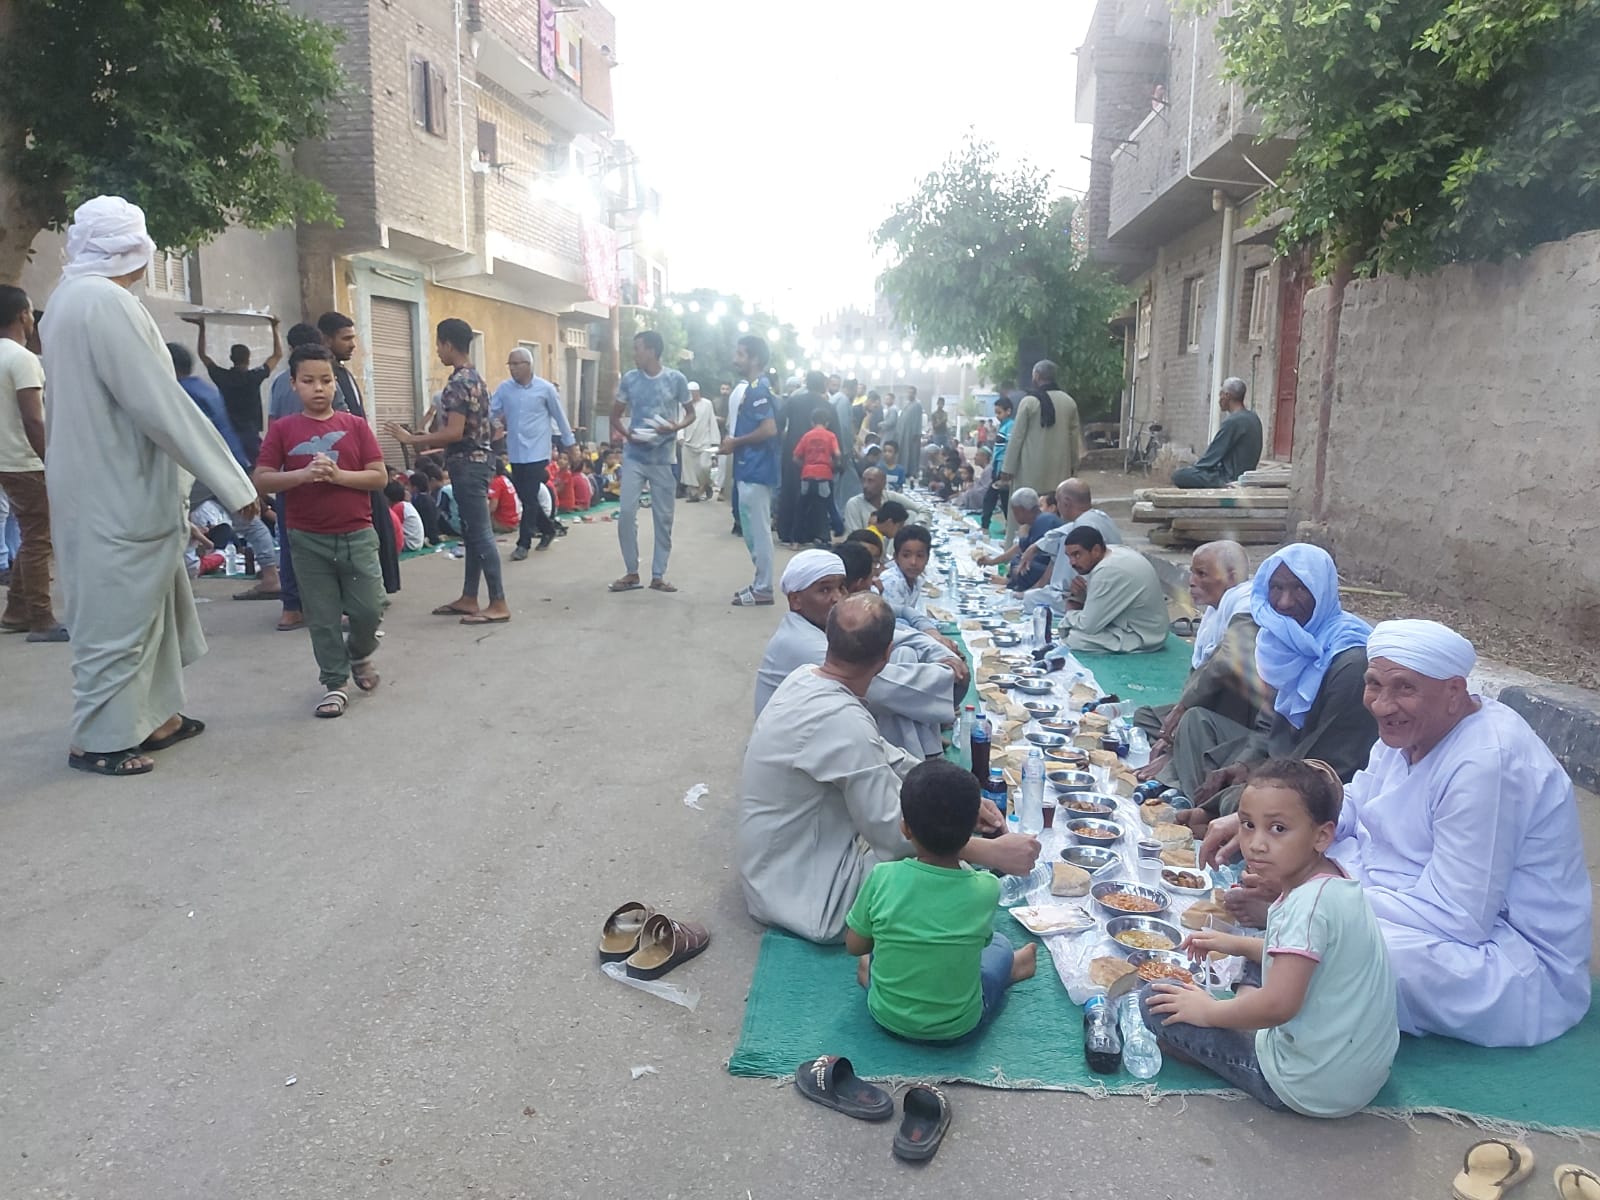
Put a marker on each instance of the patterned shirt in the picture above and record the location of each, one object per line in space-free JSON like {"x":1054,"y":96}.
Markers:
{"x":467,"y":395}
{"x":649,"y":397}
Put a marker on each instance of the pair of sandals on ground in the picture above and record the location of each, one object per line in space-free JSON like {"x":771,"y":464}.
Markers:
{"x":647,"y":943}
{"x":336,"y":700}
{"x":832,"y":1082}
{"x":1494,"y":1166}
{"x":134,"y":760}
{"x":630,"y":583}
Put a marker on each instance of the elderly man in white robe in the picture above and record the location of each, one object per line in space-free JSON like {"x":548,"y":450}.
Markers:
{"x":910,"y":698}
{"x":819,"y":796}
{"x":124,"y":439}
{"x":1463,"y":832}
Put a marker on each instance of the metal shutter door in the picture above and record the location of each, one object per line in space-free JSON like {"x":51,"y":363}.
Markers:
{"x":394,"y":372}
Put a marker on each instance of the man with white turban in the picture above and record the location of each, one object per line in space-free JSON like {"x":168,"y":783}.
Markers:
{"x":1463,"y":832}
{"x":124,"y":441}
{"x":819,"y":796}
{"x":910,"y":698}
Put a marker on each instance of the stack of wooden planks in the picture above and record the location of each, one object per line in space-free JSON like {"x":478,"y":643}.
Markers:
{"x":1251,"y":516}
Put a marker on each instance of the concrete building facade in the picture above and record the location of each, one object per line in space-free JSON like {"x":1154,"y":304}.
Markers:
{"x":1176,"y":170}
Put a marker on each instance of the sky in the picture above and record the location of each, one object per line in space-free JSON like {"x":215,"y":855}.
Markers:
{"x":827,"y":113}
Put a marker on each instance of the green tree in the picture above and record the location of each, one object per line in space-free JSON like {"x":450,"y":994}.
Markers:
{"x":983,"y":263}
{"x":189,"y":108}
{"x":1427,"y":131}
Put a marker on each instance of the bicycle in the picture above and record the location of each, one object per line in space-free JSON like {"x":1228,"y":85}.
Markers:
{"x":1142,"y":454}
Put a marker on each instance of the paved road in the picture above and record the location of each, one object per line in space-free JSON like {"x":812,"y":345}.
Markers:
{"x":398,"y":911}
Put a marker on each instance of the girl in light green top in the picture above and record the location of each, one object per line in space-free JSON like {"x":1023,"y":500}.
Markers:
{"x":1324,"y":1016}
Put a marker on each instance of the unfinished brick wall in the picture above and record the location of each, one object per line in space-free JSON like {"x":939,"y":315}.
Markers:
{"x":518,"y":200}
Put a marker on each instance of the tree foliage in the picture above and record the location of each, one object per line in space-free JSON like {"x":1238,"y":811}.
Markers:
{"x":708,"y":339}
{"x":1427,"y":130}
{"x":189,"y":108}
{"x":983,"y":263}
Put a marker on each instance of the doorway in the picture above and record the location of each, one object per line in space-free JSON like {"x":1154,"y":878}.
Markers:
{"x":1296,"y":282}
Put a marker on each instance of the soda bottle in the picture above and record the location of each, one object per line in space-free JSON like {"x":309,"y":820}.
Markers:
{"x":980,"y":748}
{"x":994,"y":789}
{"x":1102,"y":1044}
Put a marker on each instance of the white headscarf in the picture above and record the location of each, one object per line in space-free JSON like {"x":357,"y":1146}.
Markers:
{"x":1426,"y":647}
{"x":107,"y":237}
{"x":1214,"y":621}
{"x":807,"y":567}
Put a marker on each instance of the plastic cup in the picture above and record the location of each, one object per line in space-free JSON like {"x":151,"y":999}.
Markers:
{"x":1150,"y":871}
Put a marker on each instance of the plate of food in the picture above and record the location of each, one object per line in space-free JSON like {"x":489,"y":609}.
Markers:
{"x":1093,"y":832}
{"x":1007,"y":640}
{"x":1142,"y":933}
{"x":1045,"y":919}
{"x":1162,"y":966}
{"x":1034,"y":687}
{"x":1183,"y":882}
{"x":1045,"y":739}
{"x":1123,"y":897}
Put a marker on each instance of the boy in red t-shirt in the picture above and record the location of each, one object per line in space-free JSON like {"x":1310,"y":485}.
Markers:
{"x":326,"y":464}
{"x":505,"y":507}
{"x":818,"y":455}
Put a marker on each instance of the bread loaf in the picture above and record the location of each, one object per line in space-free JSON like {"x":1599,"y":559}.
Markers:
{"x":1068,"y":880}
{"x":1105,"y":971}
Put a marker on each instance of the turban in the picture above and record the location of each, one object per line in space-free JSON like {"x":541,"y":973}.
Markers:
{"x":1426,"y":647}
{"x":1292,"y":658}
{"x":807,"y":567}
{"x":107,"y":237}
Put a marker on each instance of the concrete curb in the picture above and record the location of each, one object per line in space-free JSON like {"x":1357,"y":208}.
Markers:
{"x":1568,"y":720}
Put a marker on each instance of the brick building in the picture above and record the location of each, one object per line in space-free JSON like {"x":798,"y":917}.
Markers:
{"x":1176,"y":171}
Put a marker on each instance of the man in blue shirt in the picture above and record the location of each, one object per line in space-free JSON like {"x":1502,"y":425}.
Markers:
{"x":754,"y":446}
{"x":531,"y":412}
{"x":646,"y":419}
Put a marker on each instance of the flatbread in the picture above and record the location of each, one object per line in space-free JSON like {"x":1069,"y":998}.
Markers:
{"x":1068,"y":880}
{"x":1172,"y":836}
{"x":1179,"y":856}
{"x":1156,"y":812}
{"x":1081,"y":695}
{"x":1103,"y":758}
{"x":1086,"y":741}
{"x":1106,"y":970}
{"x":1091,"y":722}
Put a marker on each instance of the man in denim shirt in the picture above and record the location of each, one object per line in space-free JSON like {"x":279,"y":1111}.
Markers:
{"x":646,"y":419}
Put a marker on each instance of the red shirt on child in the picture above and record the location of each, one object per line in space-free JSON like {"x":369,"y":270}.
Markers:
{"x":503,"y":501}
{"x":815,"y":453}
{"x":292,"y":442}
{"x":582,"y":493}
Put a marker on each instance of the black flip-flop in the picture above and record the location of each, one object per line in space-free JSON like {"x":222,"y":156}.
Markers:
{"x":188,"y":727}
{"x":832,"y":1082}
{"x":926,"y":1121}
{"x":109,"y":763}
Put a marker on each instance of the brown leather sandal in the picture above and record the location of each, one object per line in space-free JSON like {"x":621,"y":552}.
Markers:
{"x":664,"y":944}
{"x":619,"y":936}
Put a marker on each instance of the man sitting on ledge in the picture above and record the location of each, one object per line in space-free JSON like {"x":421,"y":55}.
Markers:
{"x":1124,"y":609}
{"x":819,"y":798}
{"x":1236,"y":448}
{"x":1463,"y":832}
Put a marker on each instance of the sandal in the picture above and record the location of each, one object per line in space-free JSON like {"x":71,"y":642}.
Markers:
{"x":661,"y":585}
{"x":619,"y":936}
{"x":114,"y":763}
{"x":366,"y":678}
{"x":333,"y":704}
{"x":1577,"y":1183}
{"x":484,"y":619}
{"x":1491,"y":1168}
{"x":625,"y":584}
{"x":750,"y":599}
{"x":663,"y":944}
{"x":450,"y":610}
{"x":833,"y":1083}
{"x":187,"y":728}
{"x":926,"y":1121}
{"x":259,"y":593}
{"x":1186,"y":627}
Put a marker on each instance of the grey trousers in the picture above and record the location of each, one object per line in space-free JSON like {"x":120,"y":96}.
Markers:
{"x":1203,"y":742}
{"x":663,"y":495}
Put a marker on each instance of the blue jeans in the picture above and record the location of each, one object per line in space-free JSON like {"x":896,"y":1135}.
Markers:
{"x":1228,"y":1053}
{"x":663,"y":496}
{"x":470,"y":483}
{"x":994,"y":977}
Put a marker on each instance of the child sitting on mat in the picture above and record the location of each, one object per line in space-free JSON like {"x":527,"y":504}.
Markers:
{"x":937,"y":971}
{"x":1319,"y":1034}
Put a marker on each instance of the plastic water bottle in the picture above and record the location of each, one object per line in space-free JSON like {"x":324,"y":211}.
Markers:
{"x":1030,"y":806}
{"x":961,"y":722}
{"x":1140,"y":1053}
{"x":1102,"y":1044}
{"x":952,"y":579}
{"x":1020,"y":889}
{"x":1041,"y":627}
{"x":980,"y":748}
{"x":230,"y":559}
{"x":1138,"y":749}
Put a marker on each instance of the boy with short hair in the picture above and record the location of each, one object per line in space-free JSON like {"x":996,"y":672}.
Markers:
{"x":888,"y":520}
{"x":817,"y":452}
{"x":902,"y":578}
{"x":937,"y":971}
{"x":326,"y":464}
{"x":891,"y":465}
{"x":408,"y":530}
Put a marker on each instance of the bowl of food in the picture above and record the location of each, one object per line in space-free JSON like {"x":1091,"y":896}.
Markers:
{"x":1071,"y":781}
{"x":1069,"y":756}
{"x":1123,"y":898}
{"x":1056,"y":725}
{"x":1132,"y":933}
{"x":1162,"y":966}
{"x":992,"y":623}
{"x":1183,"y":882}
{"x":1092,"y":831}
{"x":1007,"y":639}
{"x":1033,"y":687}
{"x":1031,"y":672}
{"x":1083,"y":804}
{"x":1039,"y":709}
{"x":1092,"y":859}
{"x":1045,"y":739}
{"x":1002,"y":680}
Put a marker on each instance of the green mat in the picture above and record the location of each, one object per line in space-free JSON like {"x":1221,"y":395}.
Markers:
{"x":804,"y":1001}
{"x":1139,"y":679}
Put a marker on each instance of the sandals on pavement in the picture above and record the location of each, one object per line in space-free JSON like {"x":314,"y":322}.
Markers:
{"x":833,"y":1083}
{"x":450,"y":610}
{"x":114,"y":763}
{"x":333,"y":704}
{"x":661,"y":585}
{"x":625,"y":584}
{"x":1577,"y":1183}
{"x":479,"y":618}
{"x":619,"y":936}
{"x":362,"y":672}
{"x":746,"y":598}
{"x":56,"y":633}
{"x":188,"y":727}
{"x":926,"y":1121}
{"x":259,"y":593}
{"x":664,"y":944}
{"x":1490,"y":1168}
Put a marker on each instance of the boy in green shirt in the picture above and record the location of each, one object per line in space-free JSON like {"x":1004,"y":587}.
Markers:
{"x":937,"y":971}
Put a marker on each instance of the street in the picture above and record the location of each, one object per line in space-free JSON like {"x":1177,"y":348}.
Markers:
{"x":356,"y":958}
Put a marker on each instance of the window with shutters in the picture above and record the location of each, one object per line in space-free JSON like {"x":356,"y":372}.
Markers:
{"x":1258,"y":282}
{"x":488,"y":142}
{"x":1141,"y":336}
{"x":167,"y":276}
{"x":1189,"y":314}
{"x":429,"y":104}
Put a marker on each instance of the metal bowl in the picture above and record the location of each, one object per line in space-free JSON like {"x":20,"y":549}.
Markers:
{"x":1004,"y":640}
{"x":1071,"y":781}
{"x":1074,"y":805}
{"x":1092,"y":859}
{"x":1002,"y":681}
{"x":1040,"y":709}
{"x":1031,"y":672}
{"x":1056,"y":725}
{"x":1111,"y":830}
{"x":1175,"y":958}
{"x":1153,"y":894}
{"x":1034,"y":687}
{"x":1045,"y":739}
{"x":1124,"y":923}
{"x":1069,"y":757}
{"x":992,"y":623}
{"x":1166,"y":881}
